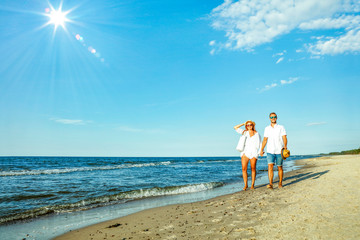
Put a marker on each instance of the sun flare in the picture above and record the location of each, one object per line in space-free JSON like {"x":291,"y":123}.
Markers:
{"x":56,"y":17}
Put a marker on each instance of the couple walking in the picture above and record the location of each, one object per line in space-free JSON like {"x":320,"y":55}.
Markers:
{"x":276,"y":140}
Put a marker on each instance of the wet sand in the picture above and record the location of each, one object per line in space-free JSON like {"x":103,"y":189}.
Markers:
{"x":319,"y":201}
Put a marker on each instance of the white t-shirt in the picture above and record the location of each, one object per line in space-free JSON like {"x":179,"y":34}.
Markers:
{"x":275,"y":142}
{"x":252,"y":144}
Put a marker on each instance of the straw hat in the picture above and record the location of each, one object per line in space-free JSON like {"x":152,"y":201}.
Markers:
{"x":249,"y":121}
{"x":285,"y":153}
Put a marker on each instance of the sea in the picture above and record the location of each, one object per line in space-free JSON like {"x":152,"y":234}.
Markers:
{"x":41,"y":197}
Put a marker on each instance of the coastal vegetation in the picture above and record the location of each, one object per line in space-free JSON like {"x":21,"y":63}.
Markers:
{"x":353,"y":151}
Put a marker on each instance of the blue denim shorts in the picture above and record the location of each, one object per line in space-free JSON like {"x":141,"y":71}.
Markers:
{"x":274,"y":158}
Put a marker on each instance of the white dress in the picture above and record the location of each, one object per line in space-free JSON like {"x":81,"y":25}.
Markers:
{"x":252,"y":144}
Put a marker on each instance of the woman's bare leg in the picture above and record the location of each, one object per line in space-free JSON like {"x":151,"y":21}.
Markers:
{"x":244,"y":163}
{"x":253,"y":172}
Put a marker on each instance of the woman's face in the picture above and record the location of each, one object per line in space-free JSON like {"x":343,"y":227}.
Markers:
{"x":249,"y":126}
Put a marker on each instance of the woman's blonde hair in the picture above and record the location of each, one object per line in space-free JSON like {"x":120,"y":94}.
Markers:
{"x":249,"y":121}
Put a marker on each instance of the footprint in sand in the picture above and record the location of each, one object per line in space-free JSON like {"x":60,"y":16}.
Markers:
{"x":216,"y":220}
{"x":172,"y":237}
{"x":166,"y":227}
{"x":192,"y":212}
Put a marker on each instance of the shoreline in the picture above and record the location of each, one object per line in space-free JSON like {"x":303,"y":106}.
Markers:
{"x":50,"y":226}
{"x":315,"y":203}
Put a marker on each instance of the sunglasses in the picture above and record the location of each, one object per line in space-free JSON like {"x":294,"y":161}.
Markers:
{"x":273,"y":117}
{"x":249,"y":125}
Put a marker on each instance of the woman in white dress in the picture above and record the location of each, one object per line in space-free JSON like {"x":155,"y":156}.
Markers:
{"x":251,"y":150}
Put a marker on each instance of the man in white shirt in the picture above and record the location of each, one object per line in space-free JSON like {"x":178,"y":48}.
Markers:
{"x":275,"y":136}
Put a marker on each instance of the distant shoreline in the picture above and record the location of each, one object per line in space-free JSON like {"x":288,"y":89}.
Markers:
{"x":353,"y":151}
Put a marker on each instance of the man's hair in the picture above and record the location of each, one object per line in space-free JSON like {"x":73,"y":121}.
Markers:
{"x":272,"y":113}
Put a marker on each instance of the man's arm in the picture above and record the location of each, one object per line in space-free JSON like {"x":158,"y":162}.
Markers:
{"x":285,"y":141}
{"x":263,"y":146}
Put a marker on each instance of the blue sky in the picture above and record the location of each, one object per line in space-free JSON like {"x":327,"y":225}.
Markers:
{"x":171,"y":78}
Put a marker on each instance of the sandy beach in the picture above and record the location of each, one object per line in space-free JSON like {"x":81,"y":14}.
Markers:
{"x":319,"y":201}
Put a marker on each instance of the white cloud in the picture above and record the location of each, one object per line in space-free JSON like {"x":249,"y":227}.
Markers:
{"x":290,"y":81}
{"x":344,"y":21}
{"x":212,"y":43}
{"x":316,"y":123}
{"x":267,"y":87}
{"x":282,"y":82}
{"x":279,"y":60}
{"x":70,"y":121}
{"x":280,"y":53}
{"x":250,"y":23}
{"x":347,"y":43}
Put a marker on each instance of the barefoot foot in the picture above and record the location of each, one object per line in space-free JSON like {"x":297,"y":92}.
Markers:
{"x":269,"y":186}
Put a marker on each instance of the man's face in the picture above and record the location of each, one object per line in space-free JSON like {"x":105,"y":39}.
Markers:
{"x":273,"y":118}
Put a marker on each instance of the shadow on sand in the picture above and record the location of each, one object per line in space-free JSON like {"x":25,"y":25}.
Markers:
{"x":298,"y":178}
{"x":303,"y":176}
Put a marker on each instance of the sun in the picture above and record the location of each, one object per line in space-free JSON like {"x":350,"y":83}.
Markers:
{"x":56,"y":17}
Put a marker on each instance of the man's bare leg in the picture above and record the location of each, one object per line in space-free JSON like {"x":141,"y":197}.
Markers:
{"x":271,"y":175}
{"x":253,"y":172}
{"x":244,"y":163}
{"x":281,"y":175}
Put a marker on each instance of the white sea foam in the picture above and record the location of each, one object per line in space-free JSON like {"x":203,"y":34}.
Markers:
{"x":80,"y":169}
{"x":112,"y":199}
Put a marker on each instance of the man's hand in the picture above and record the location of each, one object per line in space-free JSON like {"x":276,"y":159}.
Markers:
{"x":263,"y":146}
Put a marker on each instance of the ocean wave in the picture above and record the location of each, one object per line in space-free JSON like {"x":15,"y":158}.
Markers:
{"x":112,"y":199}
{"x":79,"y":169}
{"x":108,"y":167}
{"x":226,"y":160}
